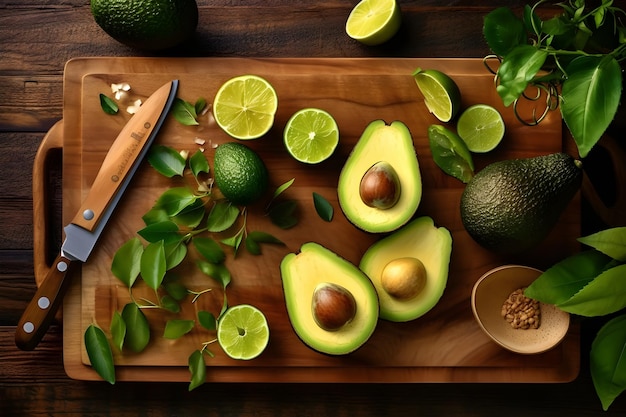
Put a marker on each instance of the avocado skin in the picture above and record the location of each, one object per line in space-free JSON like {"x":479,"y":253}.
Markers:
{"x":510,"y":206}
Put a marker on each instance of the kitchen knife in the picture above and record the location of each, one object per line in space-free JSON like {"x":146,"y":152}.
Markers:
{"x":82,"y":233}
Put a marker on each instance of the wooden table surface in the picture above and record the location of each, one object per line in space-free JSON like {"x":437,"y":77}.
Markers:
{"x":38,"y":37}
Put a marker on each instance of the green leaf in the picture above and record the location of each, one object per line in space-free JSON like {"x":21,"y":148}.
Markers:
{"x":200,"y":105}
{"x":175,"y":253}
{"x":210,"y":249}
{"x":109,"y":106}
{"x":283,"y":214}
{"x":611,"y":242}
{"x":175,"y":200}
{"x":166,"y":231}
{"x":450,"y":153}
{"x":153,"y":264}
{"x":125,"y":264}
{"x":99,"y":353}
{"x":170,"y":304}
{"x":137,"y":328}
{"x":283,"y":187}
{"x":198,"y":163}
{"x":176,"y":290}
{"x":590,"y":98}
{"x":222,"y":216}
{"x":175,"y":329}
{"x":251,"y":246}
{"x":605,"y":294}
{"x":234,"y":241}
{"x":608,"y":362}
{"x":184,"y":112}
{"x":323,"y":208}
{"x":166,"y":160}
{"x":118,"y":330}
{"x":207,"y":320}
{"x":254,"y":238}
{"x":191,"y":215}
{"x":155,"y":215}
{"x":518,"y":68}
{"x":560,"y":282}
{"x":503,"y":31}
{"x":197,"y":368}
{"x":217,"y":272}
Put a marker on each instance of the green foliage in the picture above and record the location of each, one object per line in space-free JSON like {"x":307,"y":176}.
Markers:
{"x":450,"y":153}
{"x":574,"y":57}
{"x":108,"y":106}
{"x":99,"y":353}
{"x":323,"y":207}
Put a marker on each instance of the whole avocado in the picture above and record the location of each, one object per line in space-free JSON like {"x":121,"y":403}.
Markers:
{"x":147,"y":24}
{"x":511,"y":206}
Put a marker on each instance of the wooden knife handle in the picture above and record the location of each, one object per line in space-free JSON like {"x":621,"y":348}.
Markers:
{"x":41,"y":310}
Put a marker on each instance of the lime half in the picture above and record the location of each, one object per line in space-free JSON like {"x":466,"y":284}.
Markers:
{"x":373,"y":22}
{"x":311,"y":135}
{"x":243,"y":332}
{"x":481,"y":127}
{"x":441,"y":94}
{"x":244,"y":107}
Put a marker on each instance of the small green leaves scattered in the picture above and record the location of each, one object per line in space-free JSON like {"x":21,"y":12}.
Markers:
{"x":184,"y":112}
{"x":125,"y":265}
{"x":137,"y":328}
{"x":152,"y":265}
{"x":99,"y":353}
{"x":210,"y":249}
{"x":611,"y":242}
{"x":450,"y":153}
{"x":166,"y":161}
{"x":222,"y":216}
{"x":608,"y":364}
{"x":118,"y":330}
{"x":197,"y":368}
{"x":323,"y":208}
{"x":175,"y":329}
{"x":282,"y":213}
{"x":108,"y":105}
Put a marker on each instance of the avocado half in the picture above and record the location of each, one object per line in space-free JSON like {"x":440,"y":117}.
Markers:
{"x":301,"y":273}
{"x":419,"y":239}
{"x":392,"y":144}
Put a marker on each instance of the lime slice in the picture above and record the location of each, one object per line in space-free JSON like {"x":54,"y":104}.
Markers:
{"x":373,"y":22}
{"x":244,"y":107}
{"x":441,"y":94}
{"x":481,"y":127}
{"x":311,"y":135}
{"x":243,"y":332}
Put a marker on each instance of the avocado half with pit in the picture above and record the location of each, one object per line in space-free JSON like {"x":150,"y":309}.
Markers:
{"x":380,"y":185}
{"x":332,"y":305}
{"x":409,"y":269}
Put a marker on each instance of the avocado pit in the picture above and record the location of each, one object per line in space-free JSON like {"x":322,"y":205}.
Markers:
{"x":404,"y":278}
{"x":333,"y":306}
{"x":380,"y":186}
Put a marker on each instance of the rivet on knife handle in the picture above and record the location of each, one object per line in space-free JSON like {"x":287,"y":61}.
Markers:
{"x":42,"y":308}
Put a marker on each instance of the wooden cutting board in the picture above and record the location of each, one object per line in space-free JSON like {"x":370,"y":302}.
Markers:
{"x":446,"y":345}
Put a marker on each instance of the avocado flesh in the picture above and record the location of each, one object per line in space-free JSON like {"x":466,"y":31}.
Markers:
{"x":419,"y":239}
{"x":387,"y":143}
{"x":511,"y":206}
{"x":301,"y":273}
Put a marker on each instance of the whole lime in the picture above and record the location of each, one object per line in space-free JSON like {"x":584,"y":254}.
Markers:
{"x":147,"y":24}
{"x":239,"y":173}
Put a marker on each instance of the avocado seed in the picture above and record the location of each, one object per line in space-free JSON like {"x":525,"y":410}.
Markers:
{"x":380,"y":186}
{"x":404,"y":278}
{"x":333,"y":306}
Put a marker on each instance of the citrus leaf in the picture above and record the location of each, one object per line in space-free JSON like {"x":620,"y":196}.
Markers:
{"x":153,"y":265}
{"x":234,"y":241}
{"x":611,"y":242}
{"x":175,"y":329}
{"x":450,"y":153}
{"x":198,"y":163}
{"x":108,"y":106}
{"x":175,"y":200}
{"x":197,"y":368}
{"x":252,"y":247}
{"x":323,"y":208}
{"x":99,"y":353}
{"x":170,"y":304}
{"x":283,"y":214}
{"x":283,"y":187}
{"x":155,"y":215}
{"x":175,"y":253}
{"x":605,"y":294}
{"x":166,"y":160}
{"x":222,"y":216}
{"x":255,"y":237}
{"x":207,"y":320}
{"x":210,"y":249}
{"x":518,"y":68}
{"x":218,"y":272}
{"x":607,"y":361}
{"x":503,"y":31}
{"x":560,"y":282}
{"x":125,"y":264}
{"x":590,"y":98}
{"x":200,"y":105}
{"x":184,"y":112}
{"x":166,"y":231}
{"x":118,"y":330}
{"x":137,"y":328}
{"x":176,"y":290}
{"x":191,"y":215}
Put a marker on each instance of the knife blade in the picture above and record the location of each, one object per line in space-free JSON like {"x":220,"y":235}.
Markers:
{"x":82,"y":233}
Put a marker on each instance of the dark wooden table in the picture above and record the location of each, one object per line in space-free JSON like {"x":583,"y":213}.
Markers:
{"x":39,"y":36}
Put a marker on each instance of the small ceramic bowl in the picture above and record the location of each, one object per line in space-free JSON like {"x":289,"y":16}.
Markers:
{"x":489,"y":294}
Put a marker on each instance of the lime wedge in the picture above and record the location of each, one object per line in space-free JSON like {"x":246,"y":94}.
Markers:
{"x":441,"y":94}
{"x":244,"y":107}
{"x":243,"y":332}
{"x":373,"y":22}
{"x":481,"y":127}
{"x":311,"y":135}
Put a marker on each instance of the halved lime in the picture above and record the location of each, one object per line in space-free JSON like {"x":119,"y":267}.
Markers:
{"x":441,"y":94}
{"x":311,"y":135}
{"x":373,"y":22}
{"x":481,"y":127}
{"x":243,"y":332}
{"x":244,"y":107}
